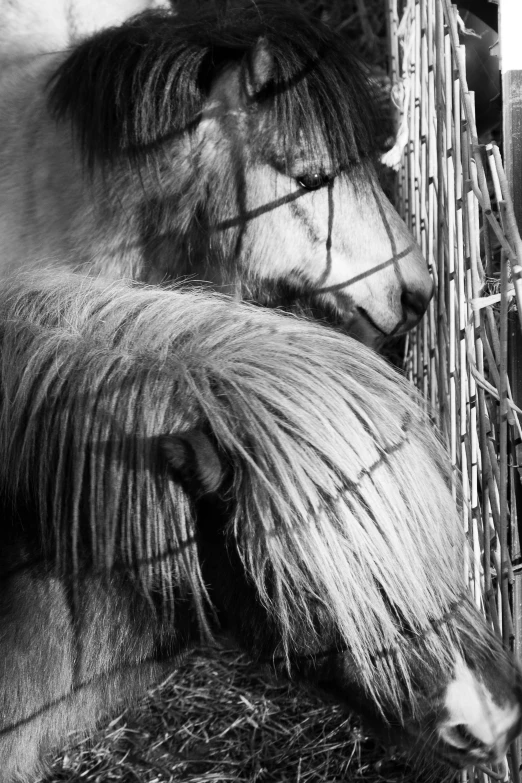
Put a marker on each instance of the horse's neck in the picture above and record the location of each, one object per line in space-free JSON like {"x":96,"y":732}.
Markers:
{"x":126,"y":224}
{"x":87,"y":16}
{"x":31,"y":26}
{"x":34,"y":26}
{"x":49,"y":209}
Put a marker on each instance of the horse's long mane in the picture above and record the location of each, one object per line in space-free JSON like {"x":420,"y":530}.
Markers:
{"x":129,"y":88}
{"x":339,"y":486}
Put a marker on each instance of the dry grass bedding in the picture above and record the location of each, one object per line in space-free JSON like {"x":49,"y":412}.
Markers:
{"x":219,"y":717}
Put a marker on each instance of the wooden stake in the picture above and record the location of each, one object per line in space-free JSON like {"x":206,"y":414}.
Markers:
{"x":510,"y":19}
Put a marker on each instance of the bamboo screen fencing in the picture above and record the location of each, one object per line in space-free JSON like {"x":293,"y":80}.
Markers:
{"x":453,"y":194}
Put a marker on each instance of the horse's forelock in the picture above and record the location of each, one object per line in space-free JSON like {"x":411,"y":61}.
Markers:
{"x":356,"y":505}
{"x":130,"y":88}
{"x":329,"y":508}
{"x":341,"y":522}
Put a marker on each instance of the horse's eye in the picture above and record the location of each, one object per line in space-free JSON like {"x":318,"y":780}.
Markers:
{"x":314,"y":181}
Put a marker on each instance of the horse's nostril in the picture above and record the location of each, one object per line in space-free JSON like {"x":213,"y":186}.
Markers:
{"x":464,"y":733}
{"x":462,"y":739}
{"x":414,"y":303}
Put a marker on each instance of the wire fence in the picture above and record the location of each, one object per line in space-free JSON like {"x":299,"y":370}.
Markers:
{"x":465,"y":356}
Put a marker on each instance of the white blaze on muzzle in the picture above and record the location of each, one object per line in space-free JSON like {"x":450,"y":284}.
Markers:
{"x":475,"y":723}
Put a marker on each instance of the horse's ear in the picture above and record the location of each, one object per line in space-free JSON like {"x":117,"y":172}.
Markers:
{"x":259,"y":68}
{"x":194,"y":460}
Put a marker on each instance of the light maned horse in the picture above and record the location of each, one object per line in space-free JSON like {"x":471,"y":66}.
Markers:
{"x":174,"y":463}
{"x":233,"y":149}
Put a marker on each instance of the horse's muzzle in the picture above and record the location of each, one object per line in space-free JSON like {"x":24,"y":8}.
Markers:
{"x":414,"y":305}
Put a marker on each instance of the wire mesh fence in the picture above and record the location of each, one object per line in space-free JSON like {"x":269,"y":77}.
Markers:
{"x":465,"y":356}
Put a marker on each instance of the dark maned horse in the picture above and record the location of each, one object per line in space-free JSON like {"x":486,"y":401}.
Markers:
{"x":233,"y":149}
{"x":173,"y":463}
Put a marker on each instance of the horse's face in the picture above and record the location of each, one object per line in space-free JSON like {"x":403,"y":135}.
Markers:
{"x":305,"y":235}
{"x":462,"y":713}
{"x":480,"y":710}
{"x":471,"y":710}
{"x":465,"y":710}
{"x":249,"y":152}
{"x":459,"y":696}
{"x":342,"y":245}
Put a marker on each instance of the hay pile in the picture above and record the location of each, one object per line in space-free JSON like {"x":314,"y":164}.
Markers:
{"x":221,"y":718}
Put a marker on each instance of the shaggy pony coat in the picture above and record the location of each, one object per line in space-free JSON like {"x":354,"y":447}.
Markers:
{"x":219,"y":463}
{"x":230,"y":147}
